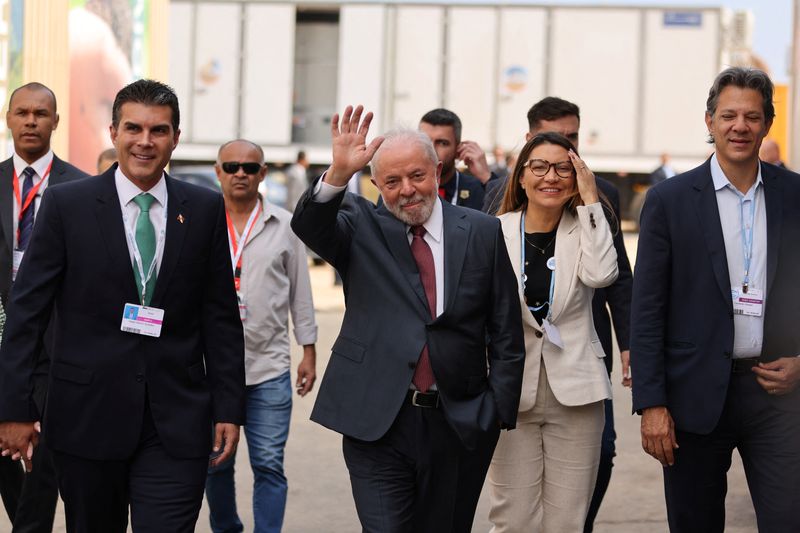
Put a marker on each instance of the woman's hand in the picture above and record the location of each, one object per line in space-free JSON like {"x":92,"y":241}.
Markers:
{"x":587,"y":185}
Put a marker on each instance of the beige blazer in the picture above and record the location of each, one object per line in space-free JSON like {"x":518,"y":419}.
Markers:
{"x":585,"y":260}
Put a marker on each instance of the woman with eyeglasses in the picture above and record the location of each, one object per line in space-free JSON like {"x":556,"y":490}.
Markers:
{"x":560,"y":244}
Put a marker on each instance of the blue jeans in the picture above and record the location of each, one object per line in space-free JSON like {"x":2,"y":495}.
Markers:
{"x":269,"y":408}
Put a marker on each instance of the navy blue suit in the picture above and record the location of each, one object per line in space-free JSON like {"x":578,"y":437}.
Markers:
{"x":682,"y":341}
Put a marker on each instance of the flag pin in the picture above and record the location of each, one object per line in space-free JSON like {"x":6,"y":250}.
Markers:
{"x":180,"y":219}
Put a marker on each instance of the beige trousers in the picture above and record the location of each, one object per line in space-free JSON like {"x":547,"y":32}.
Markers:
{"x":543,"y":472}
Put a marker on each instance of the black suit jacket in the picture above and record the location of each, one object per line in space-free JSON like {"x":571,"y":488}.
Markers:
{"x":60,"y":172}
{"x":682,"y":337}
{"x":78,"y":261}
{"x":387,"y":321}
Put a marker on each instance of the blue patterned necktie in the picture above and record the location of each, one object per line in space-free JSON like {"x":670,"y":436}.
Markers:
{"x":26,"y":220}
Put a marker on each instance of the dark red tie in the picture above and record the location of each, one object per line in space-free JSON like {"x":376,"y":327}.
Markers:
{"x":423,"y":374}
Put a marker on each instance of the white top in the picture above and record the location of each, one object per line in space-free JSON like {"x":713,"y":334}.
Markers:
{"x":40,"y":166}
{"x":126,"y":191}
{"x":434,"y":234}
{"x":734,"y":214}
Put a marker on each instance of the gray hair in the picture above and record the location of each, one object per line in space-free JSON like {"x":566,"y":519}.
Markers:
{"x":744,"y":78}
{"x":401,"y":136}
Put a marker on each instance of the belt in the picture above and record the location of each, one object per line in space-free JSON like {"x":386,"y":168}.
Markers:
{"x":428,"y":400}
{"x":741,"y":366}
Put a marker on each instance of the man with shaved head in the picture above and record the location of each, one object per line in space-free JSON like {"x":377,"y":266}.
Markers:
{"x":270,"y":273}
{"x":413,"y":385}
{"x":32,"y":118}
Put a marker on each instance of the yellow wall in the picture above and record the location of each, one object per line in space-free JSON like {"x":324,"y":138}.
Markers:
{"x":780,"y":126}
{"x":46,"y":58}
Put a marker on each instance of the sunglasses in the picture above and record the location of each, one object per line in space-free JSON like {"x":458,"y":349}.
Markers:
{"x":232,"y":167}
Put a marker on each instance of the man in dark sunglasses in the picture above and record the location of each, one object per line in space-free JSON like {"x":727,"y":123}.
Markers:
{"x":270,"y":273}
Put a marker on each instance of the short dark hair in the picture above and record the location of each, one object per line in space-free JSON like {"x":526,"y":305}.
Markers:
{"x":551,"y":108}
{"x":744,"y":78}
{"x":301,"y":155}
{"x":443,"y":117}
{"x":147,"y":92}
{"x":35,"y":86}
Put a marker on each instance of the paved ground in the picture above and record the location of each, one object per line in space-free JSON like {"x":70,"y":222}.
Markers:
{"x":319,"y":491}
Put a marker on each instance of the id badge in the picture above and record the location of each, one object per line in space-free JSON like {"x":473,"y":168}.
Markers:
{"x":242,"y":306}
{"x":552,"y":333}
{"x":142,"y":320}
{"x":16,"y":262}
{"x":750,"y":303}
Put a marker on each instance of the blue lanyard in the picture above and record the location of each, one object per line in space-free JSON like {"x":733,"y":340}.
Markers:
{"x":747,"y":237}
{"x":524,"y":276}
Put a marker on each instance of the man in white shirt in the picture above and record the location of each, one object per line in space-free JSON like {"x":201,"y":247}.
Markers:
{"x":270,"y":272}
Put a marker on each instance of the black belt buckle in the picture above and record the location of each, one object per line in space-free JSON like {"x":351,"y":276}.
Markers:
{"x":429,"y":400}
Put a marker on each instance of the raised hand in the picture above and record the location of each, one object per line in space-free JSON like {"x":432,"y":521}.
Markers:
{"x":350,"y":150}
{"x":587,"y":185}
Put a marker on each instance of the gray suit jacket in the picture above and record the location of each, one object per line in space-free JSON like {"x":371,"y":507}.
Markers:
{"x":476,"y":345}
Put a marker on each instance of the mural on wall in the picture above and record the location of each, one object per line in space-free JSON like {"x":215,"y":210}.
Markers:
{"x":108,"y":49}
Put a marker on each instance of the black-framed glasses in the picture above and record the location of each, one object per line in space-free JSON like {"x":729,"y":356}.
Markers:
{"x":540,"y":167}
{"x":232,"y":167}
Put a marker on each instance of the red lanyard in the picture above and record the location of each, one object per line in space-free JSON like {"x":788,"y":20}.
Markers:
{"x":31,"y":193}
{"x":236,"y":252}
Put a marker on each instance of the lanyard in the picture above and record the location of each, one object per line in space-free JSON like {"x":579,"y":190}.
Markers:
{"x":747,"y":237}
{"x":524,"y":276}
{"x":31,"y":194}
{"x":236,"y":248}
{"x":454,"y":199}
{"x":137,"y":257}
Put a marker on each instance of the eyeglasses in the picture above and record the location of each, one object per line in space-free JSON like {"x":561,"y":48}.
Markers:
{"x":540,"y":167}
{"x":232,"y":167}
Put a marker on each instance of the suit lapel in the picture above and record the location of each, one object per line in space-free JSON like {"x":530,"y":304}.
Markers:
{"x":56,"y":172}
{"x":7,"y":203}
{"x":110,"y":225}
{"x":708,"y":213}
{"x":511,"y":232}
{"x":772,"y":199}
{"x":566,"y":254}
{"x":178,"y":221}
{"x":456,"y":236}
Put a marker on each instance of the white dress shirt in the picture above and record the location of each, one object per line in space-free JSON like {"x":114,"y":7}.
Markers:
{"x":126,"y":191}
{"x":40,"y":166}
{"x":434,"y":235}
{"x":734,"y":216}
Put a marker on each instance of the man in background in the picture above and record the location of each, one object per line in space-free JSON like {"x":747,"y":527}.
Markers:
{"x":270,"y":272}
{"x":32,"y":117}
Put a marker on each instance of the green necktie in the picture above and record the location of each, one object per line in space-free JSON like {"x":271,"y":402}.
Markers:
{"x":146,"y":242}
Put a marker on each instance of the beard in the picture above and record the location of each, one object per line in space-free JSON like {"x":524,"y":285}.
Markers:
{"x":419,"y":215}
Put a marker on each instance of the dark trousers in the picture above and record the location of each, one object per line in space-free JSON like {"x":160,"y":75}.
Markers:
{"x":11,"y":477}
{"x":607,"y":454}
{"x":768,"y":440}
{"x":164,"y":493}
{"x":37,"y":503}
{"x":418,"y":477}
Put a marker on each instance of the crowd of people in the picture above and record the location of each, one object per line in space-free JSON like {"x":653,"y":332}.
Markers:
{"x":148,"y":320}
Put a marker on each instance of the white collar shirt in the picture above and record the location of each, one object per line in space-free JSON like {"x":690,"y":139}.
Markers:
{"x":126,"y":191}
{"x":40,"y":166}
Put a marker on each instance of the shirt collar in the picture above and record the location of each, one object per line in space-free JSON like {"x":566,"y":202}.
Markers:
{"x":40,"y":165}
{"x":127,"y":190}
{"x":721,"y":180}
{"x":434,"y":226}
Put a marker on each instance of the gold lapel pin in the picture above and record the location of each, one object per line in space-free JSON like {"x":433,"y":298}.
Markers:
{"x":180,"y":219}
